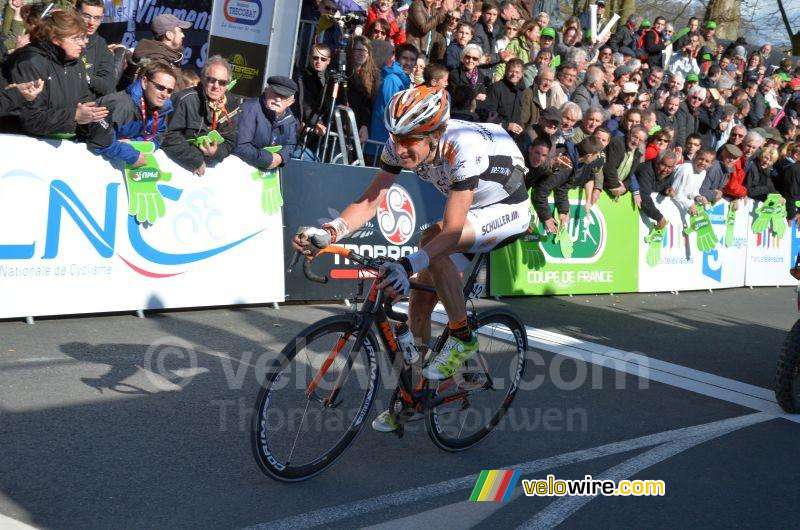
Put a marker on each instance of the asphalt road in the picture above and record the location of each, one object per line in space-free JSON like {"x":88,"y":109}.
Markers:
{"x":95,"y":434}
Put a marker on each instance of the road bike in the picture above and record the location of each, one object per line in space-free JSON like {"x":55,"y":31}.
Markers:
{"x":787,"y":376}
{"x":318,"y":393}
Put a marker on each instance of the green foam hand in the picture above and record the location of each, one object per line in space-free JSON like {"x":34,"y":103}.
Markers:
{"x":564,"y":241}
{"x":778,"y":221}
{"x":144,"y":200}
{"x":655,"y":239}
{"x":730,"y":222}
{"x":271,"y":198}
{"x":214,"y":137}
{"x":534,"y":257}
{"x":701,"y":225}
{"x":765,"y":212}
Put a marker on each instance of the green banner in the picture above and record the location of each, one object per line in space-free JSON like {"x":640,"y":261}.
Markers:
{"x":604,"y":257}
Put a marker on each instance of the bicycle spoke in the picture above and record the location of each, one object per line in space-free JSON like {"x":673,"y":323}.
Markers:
{"x":296,"y":436}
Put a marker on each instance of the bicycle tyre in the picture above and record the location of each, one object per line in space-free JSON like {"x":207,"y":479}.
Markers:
{"x":282,"y":468}
{"x":514,"y":332}
{"x":787,"y":376}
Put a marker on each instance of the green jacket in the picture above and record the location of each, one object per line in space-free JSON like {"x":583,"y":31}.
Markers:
{"x":520,"y":47}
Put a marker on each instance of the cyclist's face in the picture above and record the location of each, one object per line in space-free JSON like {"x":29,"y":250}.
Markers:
{"x":412,"y":150}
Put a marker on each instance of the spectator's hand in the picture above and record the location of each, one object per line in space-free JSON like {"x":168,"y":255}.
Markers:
{"x":596,"y":195}
{"x":209,"y":149}
{"x":363,"y":134}
{"x":141,"y":161}
{"x":669,"y":192}
{"x":29,"y":90}
{"x":201,"y":170}
{"x":16,"y":7}
{"x":515,"y":128}
{"x":450,"y":5}
{"x":22,"y":41}
{"x":717,"y":195}
{"x":507,"y":55}
{"x":679,"y":151}
{"x":701,"y":199}
{"x":637,"y":200}
{"x":693,"y":210}
{"x":320,"y":129}
{"x":563,"y":162}
{"x":86,"y":113}
{"x":277,"y":160}
{"x":480,"y":97}
{"x":612,"y":92}
{"x":551,"y":225}
{"x":114,"y":47}
{"x":619,"y":191}
{"x":662,"y":223}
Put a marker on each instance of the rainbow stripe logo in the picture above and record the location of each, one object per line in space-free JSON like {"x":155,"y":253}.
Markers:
{"x":495,"y":485}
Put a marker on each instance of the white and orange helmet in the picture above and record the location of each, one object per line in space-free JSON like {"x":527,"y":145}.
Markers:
{"x":419,"y":110}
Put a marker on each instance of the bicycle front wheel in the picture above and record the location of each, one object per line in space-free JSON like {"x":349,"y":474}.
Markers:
{"x":477,"y":397}
{"x":315,"y":399}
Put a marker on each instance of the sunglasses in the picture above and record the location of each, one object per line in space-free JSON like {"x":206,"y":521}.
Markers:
{"x":320,"y":58}
{"x":407,"y":141}
{"x":160,"y":87}
{"x":471,"y":58}
{"x":378,"y":32}
{"x":214,"y":81}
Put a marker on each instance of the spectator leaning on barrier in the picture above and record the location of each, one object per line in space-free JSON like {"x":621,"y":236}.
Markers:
{"x":757,"y":180}
{"x":622,"y":159}
{"x":140,"y":113}
{"x":266,"y":121}
{"x":655,"y":176}
{"x":198,"y":111}
{"x":65,"y":106}
{"x":718,"y":174}
{"x":167,"y":46}
{"x":97,"y":58}
{"x":689,"y":178}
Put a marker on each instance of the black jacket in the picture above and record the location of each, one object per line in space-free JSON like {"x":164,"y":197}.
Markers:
{"x":685,"y":124}
{"x":649,"y":183}
{"x":615,"y":153}
{"x":507,"y":100}
{"x":458,"y":77}
{"x":99,"y":63}
{"x":758,"y":107}
{"x":311,"y":87}
{"x":53,"y":112}
{"x":486,"y":39}
{"x":623,"y":37}
{"x":653,"y":46}
{"x":191,"y":119}
{"x":259,"y":127}
{"x":758,"y":183}
{"x":665,"y":121}
{"x":790,"y":187}
{"x":708,"y":125}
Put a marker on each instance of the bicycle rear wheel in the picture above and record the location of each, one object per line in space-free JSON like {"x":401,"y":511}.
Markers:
{"x":478,"y":396}
{"x":315,"y":399}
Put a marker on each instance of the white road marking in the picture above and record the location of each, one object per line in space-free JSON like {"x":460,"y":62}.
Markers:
{"x":7,"y":523}
{"x":707,"y":384}
{"x":333,"y":514}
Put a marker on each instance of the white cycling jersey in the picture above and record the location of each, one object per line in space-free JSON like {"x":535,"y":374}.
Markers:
{"x":476,"y":156}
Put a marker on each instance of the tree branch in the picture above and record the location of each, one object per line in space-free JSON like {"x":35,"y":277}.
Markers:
{"x":785,"y":18}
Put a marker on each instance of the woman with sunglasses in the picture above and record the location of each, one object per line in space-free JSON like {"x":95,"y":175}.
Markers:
{"x":382,"y":9}
{"x":481,"y":171}
{"x":468,"y":73}
{"x":524,"y":46}
{"x":65,"y":107}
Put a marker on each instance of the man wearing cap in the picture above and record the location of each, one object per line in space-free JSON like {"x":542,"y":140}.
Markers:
{"x":199,"y":111}
{"x":708,"y":40}
{"x":546,"y":39}
{"x":167,"y":46}
{"x":623,"y":157}
{"x":625,"y":35}
{"x":691,"y":81}
{"x":547,"y":128}
{"x":718,"y":174}
{"x":266,"y":121}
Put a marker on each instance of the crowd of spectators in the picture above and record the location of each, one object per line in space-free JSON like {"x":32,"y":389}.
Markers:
{"x":642,"y":108}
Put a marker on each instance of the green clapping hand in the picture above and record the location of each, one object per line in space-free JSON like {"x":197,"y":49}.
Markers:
{"x":564,"y":240}
{"x":765,"y":212}
{"x":778,"y":221}
{"x":271,"y":198}
{"x":214,"y":137}
{"x":655,"y":239}
{"x":701,"y":224}
{"x":730,"y":223}
{"x":144,"y":200}
{"x":534,"y":257}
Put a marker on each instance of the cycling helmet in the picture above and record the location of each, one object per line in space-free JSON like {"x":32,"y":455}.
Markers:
{"x":419,"y":110}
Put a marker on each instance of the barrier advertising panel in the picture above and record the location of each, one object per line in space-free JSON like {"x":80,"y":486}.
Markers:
{"x":316,"y":193}
{"x":681,"y":266}
{"x":603,"y":258}
{"x":68,"y":245}
{"x":769,"y":257}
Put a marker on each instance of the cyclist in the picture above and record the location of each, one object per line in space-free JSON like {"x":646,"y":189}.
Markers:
{"x":481,"y":171}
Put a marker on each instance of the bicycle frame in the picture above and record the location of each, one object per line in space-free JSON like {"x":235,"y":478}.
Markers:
{"x":376,"y":312}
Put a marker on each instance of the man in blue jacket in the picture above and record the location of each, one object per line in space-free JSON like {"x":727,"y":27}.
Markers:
{"x":396,"y":78}
{"x":139,"y":113}
{"x":266,"y":121}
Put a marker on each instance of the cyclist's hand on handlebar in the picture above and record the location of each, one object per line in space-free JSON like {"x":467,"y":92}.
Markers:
{"x":309,"y":235}
{"x":395,"y":279}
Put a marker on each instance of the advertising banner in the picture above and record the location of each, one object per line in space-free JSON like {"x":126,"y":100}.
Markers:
{"x":769,"y":257}
{"x":681,"y":266}
{"x":603,"y":259}
{"x":316,"y":193}
{"x":68,"y":244}
{"x":240,"y":32}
